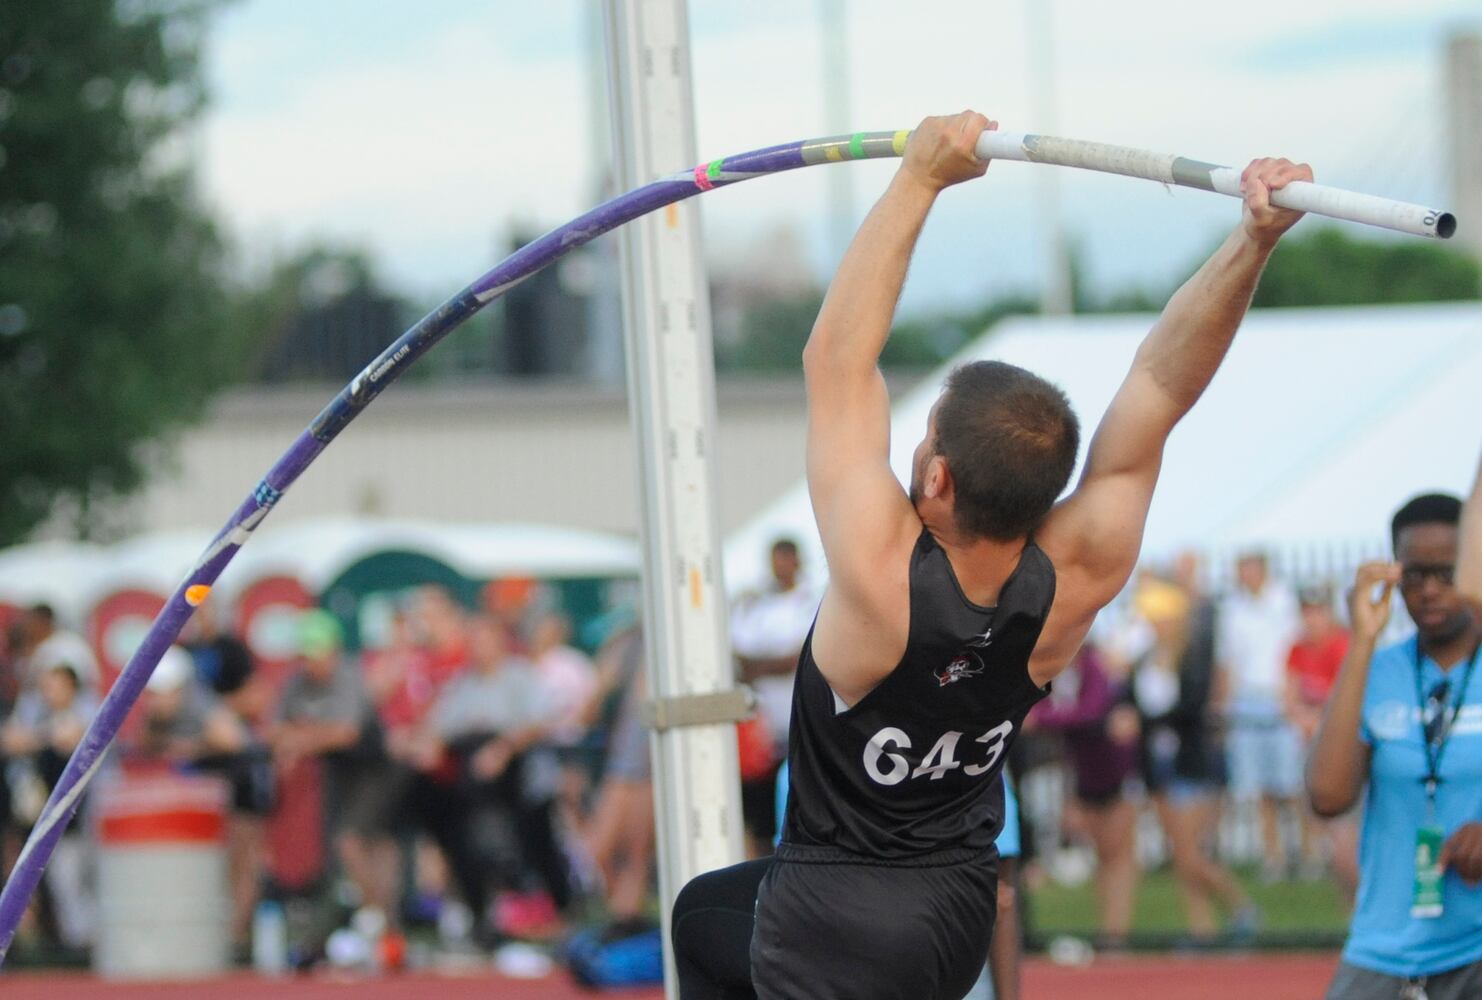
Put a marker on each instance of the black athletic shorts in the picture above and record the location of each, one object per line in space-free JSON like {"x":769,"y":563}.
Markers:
{"x":828,"y":925}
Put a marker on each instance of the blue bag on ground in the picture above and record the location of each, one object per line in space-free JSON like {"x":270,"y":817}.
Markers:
{"x":635,"y":960}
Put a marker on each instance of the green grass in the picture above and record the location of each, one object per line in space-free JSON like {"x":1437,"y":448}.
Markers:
{"x":1312,"y":913}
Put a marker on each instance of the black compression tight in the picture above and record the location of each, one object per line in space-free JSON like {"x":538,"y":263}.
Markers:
{"x":713,"y":920}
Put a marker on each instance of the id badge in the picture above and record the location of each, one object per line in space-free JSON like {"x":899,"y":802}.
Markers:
{"x":1426,"y":903}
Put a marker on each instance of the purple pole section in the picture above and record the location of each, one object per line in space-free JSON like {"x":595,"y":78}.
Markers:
{"x":365,"y":387}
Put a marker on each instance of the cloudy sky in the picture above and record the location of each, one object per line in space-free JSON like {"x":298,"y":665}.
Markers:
{"x":421,"y":130}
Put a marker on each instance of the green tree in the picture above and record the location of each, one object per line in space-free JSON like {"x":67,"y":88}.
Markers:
{"x":1328,"y":267}
{"x":320,"y":314}
{"x":773,"y":332}
{"x":114,"y":328}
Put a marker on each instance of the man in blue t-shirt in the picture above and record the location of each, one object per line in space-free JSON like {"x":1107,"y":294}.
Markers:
{"x":1403,"y":732}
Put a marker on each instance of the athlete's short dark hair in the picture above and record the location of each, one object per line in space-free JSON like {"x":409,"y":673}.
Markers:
{"x":1428,"y":508}
{"x":786,"y":545}
{"x":1010,"y":440}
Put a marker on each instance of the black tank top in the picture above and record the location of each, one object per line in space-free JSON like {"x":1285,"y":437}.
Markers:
{"x":912,"y":769}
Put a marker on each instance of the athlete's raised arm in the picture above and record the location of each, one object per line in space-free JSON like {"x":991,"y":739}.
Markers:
{"x":865,"y":519}
{"x":1093,"y":536}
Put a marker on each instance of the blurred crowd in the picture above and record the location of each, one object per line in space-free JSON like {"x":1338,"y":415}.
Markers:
{"x":1184,"y":722}
{"x":1201,"y":709}
{"x":478,"y":773}
{"x":474,"y":772}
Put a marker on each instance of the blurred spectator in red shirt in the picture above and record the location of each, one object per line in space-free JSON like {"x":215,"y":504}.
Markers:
{"x":1312,"y":667}
{"x":403,"y":684}
{"x":440,"y":625}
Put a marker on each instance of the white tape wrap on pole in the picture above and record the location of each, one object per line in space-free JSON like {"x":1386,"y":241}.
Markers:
{"x":1318,"y":199}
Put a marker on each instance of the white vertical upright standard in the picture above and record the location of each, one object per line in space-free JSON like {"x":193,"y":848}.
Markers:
{"x":671,"y":379}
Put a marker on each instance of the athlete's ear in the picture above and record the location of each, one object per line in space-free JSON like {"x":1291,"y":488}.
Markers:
{"x":938,"y":484}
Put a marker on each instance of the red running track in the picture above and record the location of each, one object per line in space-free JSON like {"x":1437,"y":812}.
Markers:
{"x":1301,"y":977}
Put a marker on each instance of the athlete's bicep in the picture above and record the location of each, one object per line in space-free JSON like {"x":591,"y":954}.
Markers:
{"x":1134,"y":428}
{"x":861,"y":509}
{"x":867,"y":526}
{"x":1094,"y":535}
{"x":1093,"y":538}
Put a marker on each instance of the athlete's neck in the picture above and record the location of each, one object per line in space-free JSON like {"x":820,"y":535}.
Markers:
{"x":982,"y":565}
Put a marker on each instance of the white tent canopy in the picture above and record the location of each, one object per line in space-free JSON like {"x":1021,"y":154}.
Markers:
{"x":54,"y":573}
{"x":319,"y":550}
{"x":1320,"y":424}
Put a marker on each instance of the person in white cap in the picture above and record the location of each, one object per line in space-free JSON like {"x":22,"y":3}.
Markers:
{"x":184,"y":722}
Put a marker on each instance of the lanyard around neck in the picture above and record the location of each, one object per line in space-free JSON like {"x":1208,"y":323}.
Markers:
{"x":1435,"y":750}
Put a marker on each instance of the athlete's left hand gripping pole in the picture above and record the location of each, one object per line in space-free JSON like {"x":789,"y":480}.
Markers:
{"x":364,"y":388}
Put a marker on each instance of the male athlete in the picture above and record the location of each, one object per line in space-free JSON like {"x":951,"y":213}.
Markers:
{"x":947,"y":612}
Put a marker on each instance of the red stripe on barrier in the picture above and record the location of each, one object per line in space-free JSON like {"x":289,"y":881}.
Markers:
{"x":181,"y":826}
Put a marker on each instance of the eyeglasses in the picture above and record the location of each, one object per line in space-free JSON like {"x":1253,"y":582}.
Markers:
{"x":1433,"y":714}
{"x":1412,"y":577}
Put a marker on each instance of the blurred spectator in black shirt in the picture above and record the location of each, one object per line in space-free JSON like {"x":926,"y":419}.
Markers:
{"x":184,"y":722}
{"x":224,"y":663}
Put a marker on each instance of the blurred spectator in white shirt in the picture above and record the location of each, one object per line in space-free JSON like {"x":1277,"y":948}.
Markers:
{"x":1258,"y":622}
{"x":768,"y":627}
{"x":566,"y":675}
{"x":48,"y":722}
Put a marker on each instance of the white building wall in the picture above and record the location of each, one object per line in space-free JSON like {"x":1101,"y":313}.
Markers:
{"x":560,"y":455}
